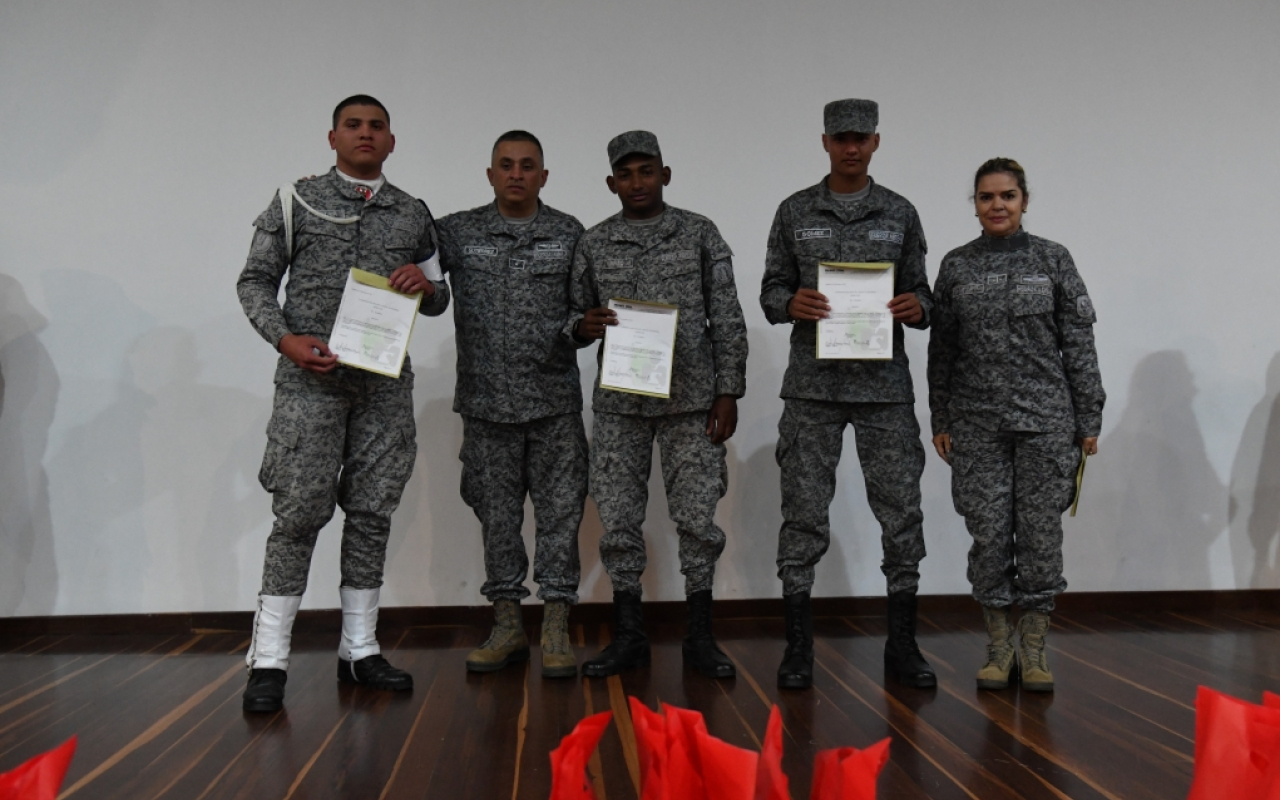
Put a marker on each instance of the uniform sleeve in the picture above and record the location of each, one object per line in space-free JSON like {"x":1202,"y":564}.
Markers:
{"x":1075,"y":315}
{"x":724,"y":313}
{"x":259,"y":282}
{"x":781,"y":273}
{"x":428,"y":247}
{"x":944,"y":349}
{"x":582,"y":293}
{"x":912,"y":275}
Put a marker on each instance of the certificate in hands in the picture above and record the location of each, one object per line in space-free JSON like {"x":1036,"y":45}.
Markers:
{"x":373,"y":325}
{"x":860,"y":325}
{"x":638,"y":350}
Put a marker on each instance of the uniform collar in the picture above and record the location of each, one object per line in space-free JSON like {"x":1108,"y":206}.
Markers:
{"x":496,"y":224}
{"x":1008,"y":244}
{"x":620,"y":231}
{"x":347,"y":190}
{"x":848,"y":212}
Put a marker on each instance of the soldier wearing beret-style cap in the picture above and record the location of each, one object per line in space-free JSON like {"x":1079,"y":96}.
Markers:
{"x":847,"y":217}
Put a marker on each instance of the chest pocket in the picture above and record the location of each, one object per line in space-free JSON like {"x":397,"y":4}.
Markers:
{"x":480,"y":275}
{"x":545,"y":270}
{"x":679,"y":283}
{"x":615,"y":282}
{"x":883,"y":241}
{"x":818,"y":249}
{"x":550,"y":279}
{"x":314,"y":226}
{"x":1030,"y":295}
{"x":401,"y":241}
{"x":971,"y":299}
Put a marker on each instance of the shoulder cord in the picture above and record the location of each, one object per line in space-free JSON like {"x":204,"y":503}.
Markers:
{"x":287,"y":197}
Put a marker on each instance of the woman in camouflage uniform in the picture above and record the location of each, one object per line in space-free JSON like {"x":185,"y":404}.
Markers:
{"x":1015,"y":395}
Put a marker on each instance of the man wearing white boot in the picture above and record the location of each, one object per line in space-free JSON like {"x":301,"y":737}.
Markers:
{"x":338,"y":436}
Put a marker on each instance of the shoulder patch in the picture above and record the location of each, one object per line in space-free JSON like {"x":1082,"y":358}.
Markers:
{"x":1084,"y":307}
{"x":263,"y":242}
{"x":723,"y":272}
{"x":813,"y":233}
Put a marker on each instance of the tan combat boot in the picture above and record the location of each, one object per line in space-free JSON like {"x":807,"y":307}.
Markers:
{"x":558,"y":660}
{"x":1032,"y":665}
{"x":1000,"y":649}
{"x":506,"y":644}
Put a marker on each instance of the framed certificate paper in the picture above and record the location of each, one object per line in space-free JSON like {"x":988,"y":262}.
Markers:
{"x":638,"y":350}
{"x":373,"y":325}
{"x":860,"y":325}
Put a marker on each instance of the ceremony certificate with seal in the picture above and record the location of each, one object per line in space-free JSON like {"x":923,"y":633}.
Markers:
{"x":860,"y":325}
{"x":373,"y":325}
{"x":638,"y":350}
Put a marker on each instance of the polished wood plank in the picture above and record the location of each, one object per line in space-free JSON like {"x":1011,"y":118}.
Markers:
{"x":158,"y":715}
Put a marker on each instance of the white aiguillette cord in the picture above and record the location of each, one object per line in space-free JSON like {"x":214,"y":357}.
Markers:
{"x":430,"y":267}
{"x":288,"y":195}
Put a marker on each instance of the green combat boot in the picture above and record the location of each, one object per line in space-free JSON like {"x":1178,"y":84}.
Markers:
{"x":506,"y":644}
{"x":1000,"y":649}
{"x":557,"y":654}
{"x":1032,"y":665}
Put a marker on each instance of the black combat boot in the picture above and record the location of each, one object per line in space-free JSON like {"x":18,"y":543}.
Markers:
{"x":902,"y":657}
{"x":700,"y":649}
{"x":796,"y":671}
{"x":374,"y":671}
{"x":629,"y":648}
{"x":265,"y":692}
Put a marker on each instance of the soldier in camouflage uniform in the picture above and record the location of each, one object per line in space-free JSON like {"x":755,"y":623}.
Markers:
{"x":1015,"y":394}
{"x":520,"y":398}
{"x":337,"y":436}
{"x":654,"y":252}
{"x":847,"y":217}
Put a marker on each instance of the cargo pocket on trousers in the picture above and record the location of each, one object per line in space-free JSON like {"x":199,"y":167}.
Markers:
{"x":281,"y":442}
{"x":961,"y":478}
{"x":1067,"y":464}
{"x":787,"y":433}
{"x":472,"y":486}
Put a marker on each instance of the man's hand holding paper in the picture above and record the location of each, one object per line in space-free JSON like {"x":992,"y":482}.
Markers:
{"x":863,"y":308}
{"x":375,"y":321}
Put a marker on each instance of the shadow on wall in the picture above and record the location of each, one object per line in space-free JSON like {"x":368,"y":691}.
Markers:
{"x":1153,"y":488}
{"x":28,"y":395}
{"x":1255,"y":492}
{"x":200,"y":447}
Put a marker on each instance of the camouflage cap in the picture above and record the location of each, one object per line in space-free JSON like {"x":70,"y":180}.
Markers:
{"x":624,"y":144}
{"x":857,"y":116}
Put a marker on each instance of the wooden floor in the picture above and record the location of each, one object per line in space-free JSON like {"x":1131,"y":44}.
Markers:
{"x":159,"y":717}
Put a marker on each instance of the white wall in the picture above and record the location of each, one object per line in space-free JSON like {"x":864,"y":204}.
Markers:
{"x":141,"y":139}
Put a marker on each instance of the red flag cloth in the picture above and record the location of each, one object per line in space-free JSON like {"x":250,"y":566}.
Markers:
{"x":771,"y":781}
{"x":1237,"y":748}
{"x":679,"y":760}
{"x":848,"y":773}
{"x":651,"y":742}
{"x":569,"y":760}
{"x":41,"y":777}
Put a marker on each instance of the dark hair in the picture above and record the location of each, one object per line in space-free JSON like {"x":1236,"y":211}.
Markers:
{"x":1002,"y":165}
{"x":359,"y":100}
{"x":517,"y":136}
